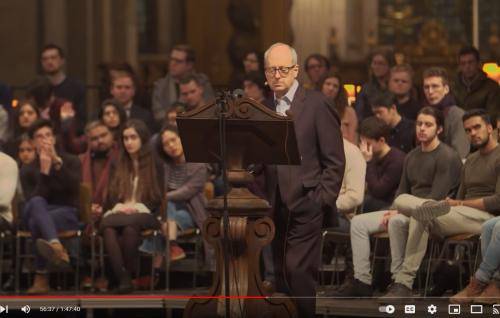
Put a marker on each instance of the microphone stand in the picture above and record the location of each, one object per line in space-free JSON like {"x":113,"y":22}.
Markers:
{"x":222,"y":103}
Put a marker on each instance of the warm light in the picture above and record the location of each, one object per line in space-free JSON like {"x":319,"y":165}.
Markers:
{"x":349,"y":88}
{"x":15,"y":102}
{"x":492,"y":70}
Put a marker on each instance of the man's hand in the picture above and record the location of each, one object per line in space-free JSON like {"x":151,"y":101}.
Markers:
{"x":366,"y":150}
{"x":452,"y":202}
{"x":387,"y":215}
{"x":45,"y":160}
{"x":129,"y":210}
{"x":67,"y":111}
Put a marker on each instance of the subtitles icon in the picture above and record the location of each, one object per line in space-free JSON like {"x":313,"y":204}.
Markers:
{"x":454,"y":309}
{"x":409,"y":309}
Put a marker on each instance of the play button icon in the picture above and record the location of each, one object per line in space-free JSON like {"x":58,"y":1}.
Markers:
{"x":6,"y":309}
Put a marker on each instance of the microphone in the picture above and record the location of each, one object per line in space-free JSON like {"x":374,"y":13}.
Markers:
{"x":265,"y":83}
{"x":237,"y":93}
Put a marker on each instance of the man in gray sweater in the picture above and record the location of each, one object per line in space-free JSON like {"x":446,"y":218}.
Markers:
{"x":430,"y":171}
{"x":437,"y":93}
{"x":477,"y":201}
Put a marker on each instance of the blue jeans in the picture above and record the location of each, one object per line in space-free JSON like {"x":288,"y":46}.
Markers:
{"x":176,"y":211}
{"x":490,"y":249}
{"x":45,"y":220}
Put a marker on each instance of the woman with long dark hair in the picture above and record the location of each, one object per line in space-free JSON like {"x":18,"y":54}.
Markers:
{"x":184,"y":192}
{"x":23,"y":116}
{"x":113,"y":115}
{"x":332,"y":86}
{"x":134,"y":197}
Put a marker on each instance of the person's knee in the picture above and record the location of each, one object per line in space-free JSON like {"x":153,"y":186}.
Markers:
{"x":402,"y":199}
{"x":357,"y":222}
{"x":398,"y":221}
{"x":36,"y":201}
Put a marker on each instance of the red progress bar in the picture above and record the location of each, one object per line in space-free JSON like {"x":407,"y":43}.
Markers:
{"x":130,"y":297}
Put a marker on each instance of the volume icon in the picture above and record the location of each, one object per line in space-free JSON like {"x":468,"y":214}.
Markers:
{"x":26,"y":309}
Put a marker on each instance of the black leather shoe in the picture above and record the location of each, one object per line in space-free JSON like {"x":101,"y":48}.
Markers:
{"x":353,"y":288}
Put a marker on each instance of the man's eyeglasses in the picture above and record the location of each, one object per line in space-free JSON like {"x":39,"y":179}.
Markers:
{"x":283,"y":70}
{"x":176,"y":60}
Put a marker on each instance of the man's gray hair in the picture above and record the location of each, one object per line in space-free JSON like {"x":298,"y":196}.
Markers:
{"x":292,"y":51}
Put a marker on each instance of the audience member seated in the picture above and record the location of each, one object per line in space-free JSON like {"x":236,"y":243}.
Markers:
{"x":430,"y":171}
{"x":133,"y":199}
{"x":316,"y":66}
{"x":23,"y":116}
{"x":253,"y":61}
{"x":254,"y":86}
{"x":331,"y":85}
{"x":123,"y":87}
{"x":99,"y":160}
{"x":477,"y":201}
{"x":97,"y":163}
{"x":384,"y":164}
{"x":113,"y":116}
{"x":51,"y":186}
{"x":42,"y":92}
{"x":402,"y":134}
{"x":26,"y":150}
{"x":472,"y":88}
{"x":401,"y":85}
{"x":52,"y":59}
{"x":166,"y":90}
{"x":353,"y":185}
{"x":184,"y":185}
{"x":380,"y":63}
{"x":192,"y":91}
{"x":9,"y":176}
{"x":483,"y":285}
{"x":437,"y":94}
{"x":171,"y":115}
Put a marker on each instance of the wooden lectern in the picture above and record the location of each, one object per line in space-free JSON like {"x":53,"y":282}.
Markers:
{"x":254,"y":134}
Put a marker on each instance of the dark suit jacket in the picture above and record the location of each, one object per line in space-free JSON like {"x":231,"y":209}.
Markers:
{"x":319,"y":140}
{"x":137,"y":112}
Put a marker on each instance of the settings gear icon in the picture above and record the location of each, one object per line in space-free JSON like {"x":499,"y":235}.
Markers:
{"x":432,"y":309}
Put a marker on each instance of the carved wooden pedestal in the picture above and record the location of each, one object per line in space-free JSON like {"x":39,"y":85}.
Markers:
{"x":254,"y":134}
{"x":250,"y":229}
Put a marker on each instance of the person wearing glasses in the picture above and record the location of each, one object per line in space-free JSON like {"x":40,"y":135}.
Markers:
{"x":166,"y":90}
{"x":316,"y":66}
{"x":302,"y":196}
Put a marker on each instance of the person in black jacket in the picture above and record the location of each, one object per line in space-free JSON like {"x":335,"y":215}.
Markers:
{"x":51,"y":185}
{"x":123,"y":88}
{"x":133,"y":198}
